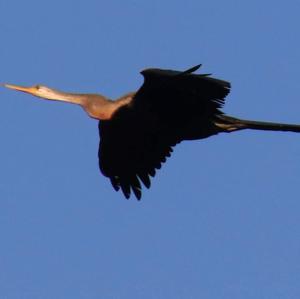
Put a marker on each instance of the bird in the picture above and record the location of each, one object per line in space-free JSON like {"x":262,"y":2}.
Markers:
{"x":139,"y":130}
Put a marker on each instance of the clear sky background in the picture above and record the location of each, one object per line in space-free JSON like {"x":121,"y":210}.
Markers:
{"x":222,"y":217}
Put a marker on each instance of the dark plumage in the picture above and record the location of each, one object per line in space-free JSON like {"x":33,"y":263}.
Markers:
{"x":138,"y":131}
{"x":170,"y":106}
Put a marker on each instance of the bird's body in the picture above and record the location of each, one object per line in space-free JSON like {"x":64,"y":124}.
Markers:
{"x":138,"y":130}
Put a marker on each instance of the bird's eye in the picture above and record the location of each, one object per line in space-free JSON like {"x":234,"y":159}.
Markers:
{"x":38,"y":87}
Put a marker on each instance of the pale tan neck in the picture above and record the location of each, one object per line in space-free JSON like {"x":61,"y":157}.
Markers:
{"x":95,"y":105}
{"x":73,"y":98}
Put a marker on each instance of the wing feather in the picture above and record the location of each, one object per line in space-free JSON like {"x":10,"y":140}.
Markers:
{"x":170,"y":106}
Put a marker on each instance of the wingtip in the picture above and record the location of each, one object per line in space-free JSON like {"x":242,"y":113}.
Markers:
{"x":196,"y":67}
{"x":191,"y":70}
{"x":137,"y":193}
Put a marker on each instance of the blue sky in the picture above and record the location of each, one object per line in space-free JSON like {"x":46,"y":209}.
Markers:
{"x":222,"y":217}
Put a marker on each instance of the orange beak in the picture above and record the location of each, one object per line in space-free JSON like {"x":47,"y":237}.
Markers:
{"x":30,"y":90}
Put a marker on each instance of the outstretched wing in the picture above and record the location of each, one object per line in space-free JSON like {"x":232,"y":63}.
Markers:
{"x":171,"y":106}
{"x":179,"y":96}
{"x":131,"y":149}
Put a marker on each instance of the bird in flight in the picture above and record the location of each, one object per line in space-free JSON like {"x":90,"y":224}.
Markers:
{"x":138,"y":130}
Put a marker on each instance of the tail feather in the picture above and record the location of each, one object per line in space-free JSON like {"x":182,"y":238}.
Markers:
{"x":229,"y":124}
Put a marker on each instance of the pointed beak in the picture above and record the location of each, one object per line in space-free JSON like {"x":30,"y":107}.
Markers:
{"x":20,"y":88}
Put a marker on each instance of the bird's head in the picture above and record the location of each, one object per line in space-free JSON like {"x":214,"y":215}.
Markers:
{"x":92,"y":104}
{"x":36,"y":90}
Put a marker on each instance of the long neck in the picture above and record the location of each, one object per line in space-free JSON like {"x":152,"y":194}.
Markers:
{"x":96,"y":105}
{"x":73,"y":98}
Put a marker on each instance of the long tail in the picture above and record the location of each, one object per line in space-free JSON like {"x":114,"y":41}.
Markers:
{"x":230,"y":124}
